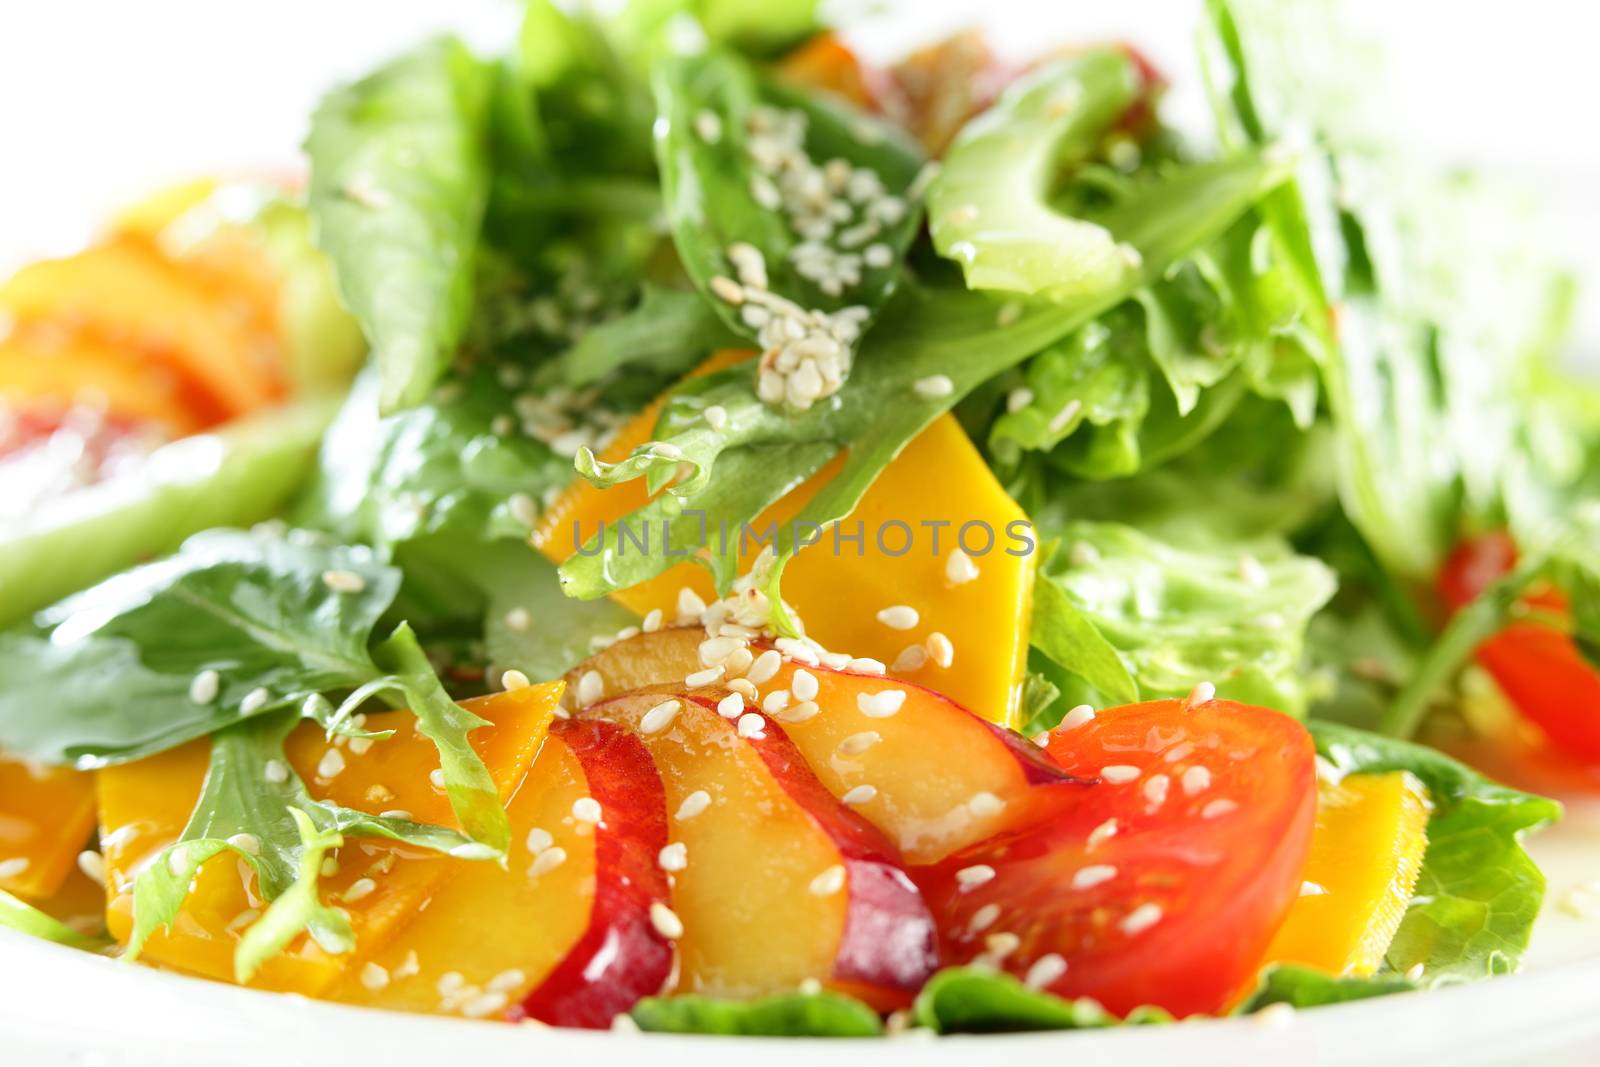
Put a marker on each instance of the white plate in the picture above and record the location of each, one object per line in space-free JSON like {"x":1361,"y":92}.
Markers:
{"x":105,"y":101}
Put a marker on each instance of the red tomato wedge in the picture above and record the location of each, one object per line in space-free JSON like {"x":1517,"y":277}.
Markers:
{"x":1535,"y":664}
{"x":1166,"y":882}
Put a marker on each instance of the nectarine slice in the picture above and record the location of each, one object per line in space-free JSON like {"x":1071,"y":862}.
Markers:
{"x":145,"y":805}
{"x":1165,"y":881}
{"x":775,"y":881}
{"x":563,"y":933}
{"x":53,"y":373}
{"x":942,"y":778}
{"x":46,"y":819}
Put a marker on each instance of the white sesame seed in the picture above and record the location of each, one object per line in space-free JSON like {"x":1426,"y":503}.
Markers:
{"x":547,"y":860}
{"x":344,"y":581}
{"x":1078,"y":716}
{"x":331,"y":765}
{"x":878,"y":256}
{"x":716,"y":415}
{"x":329,"y":868}
{"x":1018,"y":398}
{"x":743,"y":687}
{"x":1217,"y":808}
{"x":882,"y":704}
{"x":591,"y":687}
{"x":1180,"y":751}
{"x":690,"y":606}
{"x":984,"y":804}
{"x":659,"y":717}
{"x":1008,"y":314}
{"x":727,"y":290}
{"x":522,"y":506}
{"x":18,"y":866}
{"x":1083,"y":554}
{"x":254,"y":701}
{"x":765,"y":666}
{"x":484,"y":1004}
{"x":1068,"y":412}
{"x":693,"y":804}
{"x":1252,"y":573}
{"x":1045,"y":970}
{"x":1002,"y":944}
{"x":984,"y":918}
{"x":1118,"y":773}
{"x":518,"y":619}
{"x":396,"y":813}
{"x":934,"y":387}
{"x":666,"y":921}
{"x":1274,"y":1016}
{"x":775,"y":701}
{"x":806,"y":709}
{"x":673,"y":857}
{"x":506,"y":980}
{"x":587,"y":809}
{"x":861,"y":794}
{"x":513,"y":680}
{"x":374,"y":976}
{"x":829,"y":881}
{"x":1101,"y":834}
{"x":93,"y":866}
{"x":970,"y":878}
{"x":959,"y":568}
{"x":539,"y":839}
{"x":203,"y":689}
{"x":752,"y":726}
{"x":731,"y":706}
{"x":652,"y":621}
{"x":246,"y":843}
{"x":899,"y":617}
{"x":1195,"y":780}
{"x":804,"y":685}
{"x":1042,"y":738}
{"x":360,"y":889}
{"x":1092,"y":875}
{"x":856,"y":744}
{"x":941,"y":650}
{"x":1203,"y":693}
{"x":1414,"y":972}
{"x":275,"y":771}
{"x":1140,"y":919}
{"x":708,"y":126}
{"x":1155,"y":791}
{"x":714,"y":650}
{"x":450,"y":982}
{"x":911,"y":658}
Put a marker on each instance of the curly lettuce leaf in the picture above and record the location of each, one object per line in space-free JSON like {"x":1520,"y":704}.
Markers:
{"x":1179,"y":616}
{"x":821,"y":1014}
{"x":1479,"y":892}
{"x":399,"y":181}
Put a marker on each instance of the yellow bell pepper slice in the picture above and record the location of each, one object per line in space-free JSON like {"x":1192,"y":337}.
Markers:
{"x":46,"y":818}
{"x":1366,"y":854}
{"x":938,"y":483}
{"x":145,"y":805}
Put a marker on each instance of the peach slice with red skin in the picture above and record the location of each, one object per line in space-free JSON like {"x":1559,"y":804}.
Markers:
{"x":562,"y":934}
{"x":781,"y":883}
{"x":1166,"y":880}
{"x":943,"y":777}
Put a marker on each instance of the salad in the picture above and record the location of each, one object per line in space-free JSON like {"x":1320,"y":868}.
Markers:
{"x":674,"y":526}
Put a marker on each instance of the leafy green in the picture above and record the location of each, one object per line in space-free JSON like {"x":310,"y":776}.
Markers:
{"x":763,"y":452}
{"x":708,"y":183}
{"x":971,"y":1000}
{"x":399,"y":181}
{"x":820,"y":1014}
{"x":1179,"y":616}
{"x":1479,"y":892}
{"x":114,"y":664}
{"x":1062,"y":632}
{"x":297,"y":908}
{"x":26,"y":919}
{"x":1305,"y":987}
{"x":243,"y":473}
{"x":669,"y":332}
{"x":989,"y":209}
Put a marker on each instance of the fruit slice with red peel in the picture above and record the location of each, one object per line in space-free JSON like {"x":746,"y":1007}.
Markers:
{"x":562,"y":934}
{"x":778,"y":881}
{"x":1165,"y":882}
{"x":942,"y":777}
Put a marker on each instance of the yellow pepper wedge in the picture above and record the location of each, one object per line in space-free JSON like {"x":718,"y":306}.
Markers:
{"x":144,"y":806}
{"x":1371,"y":833}
{"x":46,"y":818}
{"x":936,"y":485}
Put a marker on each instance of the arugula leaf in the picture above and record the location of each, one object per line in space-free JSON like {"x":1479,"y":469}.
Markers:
{"x":297,"y":908}
{"x":785,"y":1015}
{"x":762,"y":453}
{"x":988,"y":209}
{"x":399,"y":180}
{"x":669,"y":332}
{"x":242,"y":473}
{"x":709,"y":184}
{"x":115,"y":663}
{"x":1305,"y":987}
{"x":972,"y":1000}
{"x":1479,"y":892}
{"x":553,"y":633}
{"x":1179,"y":616}
{"x":24,"y":918}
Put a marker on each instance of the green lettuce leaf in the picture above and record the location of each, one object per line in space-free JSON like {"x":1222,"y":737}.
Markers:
{"x":1304,"y":987}
{"x":1479,"y":891}
{"x":24,"y":918}
{"x":819,"y":1014}
{"x":399,"y":181}
{"x":1179,"y":616}
{"x":971,"y":1000}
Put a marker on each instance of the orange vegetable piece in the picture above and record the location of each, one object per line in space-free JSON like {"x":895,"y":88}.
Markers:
{"x":41,"y":371}
{"x":145,"y":805}
{"x":1366,"y":854}
{"x":826,"y":62}
{"x":46,"y":819}
{"x":984,"y":621}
